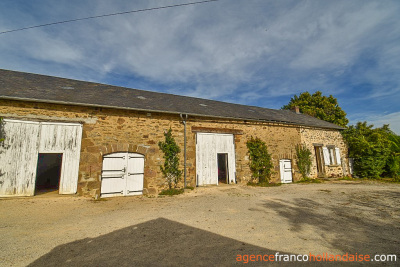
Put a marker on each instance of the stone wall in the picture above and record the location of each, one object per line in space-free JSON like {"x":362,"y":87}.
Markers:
{"x":110,"y":130}
{"x":280,"y":139}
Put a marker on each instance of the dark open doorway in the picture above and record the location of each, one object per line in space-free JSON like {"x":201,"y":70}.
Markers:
{"x":223,"y":173}
{"x":48,"y":172}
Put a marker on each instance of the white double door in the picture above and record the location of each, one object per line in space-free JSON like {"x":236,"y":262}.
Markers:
{"x":122,"y":174}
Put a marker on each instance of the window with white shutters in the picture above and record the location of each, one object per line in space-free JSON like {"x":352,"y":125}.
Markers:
{"x":331,"y":155}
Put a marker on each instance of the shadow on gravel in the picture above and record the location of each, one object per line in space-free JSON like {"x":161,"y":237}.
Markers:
{"x":355,"y":223}
{"x":159,"y":242}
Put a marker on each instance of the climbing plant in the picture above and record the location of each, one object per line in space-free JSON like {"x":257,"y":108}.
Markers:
{"x":170,"y":169}
{"x":2,"y":133}
{"x":303,"y":160}
{"x":260,"y":160}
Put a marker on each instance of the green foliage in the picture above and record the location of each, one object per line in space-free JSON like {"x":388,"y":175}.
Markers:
{"x":393,"y":167}
{"x":319,"y":106}
{"x":171,"y":192}
{"x":171,"y":150}
{"x":260,"y":160}
{"x":393,"y":163}
{"x":303,"y":160}
{"x":370,"y":148}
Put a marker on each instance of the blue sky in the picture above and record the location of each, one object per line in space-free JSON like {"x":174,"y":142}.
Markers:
{"x":253,"y":52}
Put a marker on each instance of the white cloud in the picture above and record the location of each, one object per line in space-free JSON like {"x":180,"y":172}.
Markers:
{"x":338,"y":33}
{"x":393,"y":119}
{"x":244,"y":51}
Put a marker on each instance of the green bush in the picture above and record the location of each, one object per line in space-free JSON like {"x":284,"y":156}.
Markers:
{"x":303,"y":160}
{"x":393,"y":163}
{"x":370,"y":148}
{"x":260,"y":160}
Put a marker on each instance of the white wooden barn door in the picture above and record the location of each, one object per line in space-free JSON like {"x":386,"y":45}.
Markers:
{"x":122,"y":174}
{"x":18,"y":158}
{"x":208,"y":146}
{"x":63,"y":138}
{"x":19,"y":155}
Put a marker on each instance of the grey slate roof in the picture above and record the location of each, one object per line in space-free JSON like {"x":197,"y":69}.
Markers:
{"x":33,"y":87}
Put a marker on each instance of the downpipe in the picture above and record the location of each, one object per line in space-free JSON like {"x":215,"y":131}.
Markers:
{"x":184,"y":118}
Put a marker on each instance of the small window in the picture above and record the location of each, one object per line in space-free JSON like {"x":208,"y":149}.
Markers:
{"x":331,"y":155}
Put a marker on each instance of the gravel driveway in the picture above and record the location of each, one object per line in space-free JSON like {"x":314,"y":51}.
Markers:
{"x":205,"y":227}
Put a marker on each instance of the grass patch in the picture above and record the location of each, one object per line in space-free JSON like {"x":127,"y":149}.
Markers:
{"x":189,"y":187}
{"x":379,"y":179}
{"x":385,"y":180}
{"x":264,"y":184}
{"x":171,"y":192}
{"x":309,"y":181}
{"x":346,"y":178}
{"x":100,"y":199}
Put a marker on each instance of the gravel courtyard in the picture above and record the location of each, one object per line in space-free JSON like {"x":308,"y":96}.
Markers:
{"x":205,"y":227}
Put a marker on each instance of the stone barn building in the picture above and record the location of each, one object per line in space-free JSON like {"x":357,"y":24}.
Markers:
{"x":96,"y":139}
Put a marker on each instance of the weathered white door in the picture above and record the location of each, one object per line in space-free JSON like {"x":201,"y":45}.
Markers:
{"x":286,"y":171}
{"x":63,"y":138}
{"x":113,"y":174}
{"x":135,"y":174}
{"x":208,"y":146}
{"x":122,"y":174}
{"x":18,"y":158}
{"x":19,"y":155}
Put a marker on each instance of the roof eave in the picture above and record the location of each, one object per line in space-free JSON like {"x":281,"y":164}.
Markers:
{"x":161,"y":111}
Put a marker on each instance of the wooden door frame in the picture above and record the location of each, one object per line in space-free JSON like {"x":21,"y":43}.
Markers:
{"x":319,"y":158}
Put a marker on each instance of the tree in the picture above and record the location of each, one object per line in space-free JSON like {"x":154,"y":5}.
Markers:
{"x":370,"y":148}
{"x":260,"y":160}
{"x":171,"y":150}
{"x":303,"y":160}
{"x":319,"y":106}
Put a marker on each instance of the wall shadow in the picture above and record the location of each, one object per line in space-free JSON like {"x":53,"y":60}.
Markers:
{"x":159,"y":242}
{"x":363,"y":224}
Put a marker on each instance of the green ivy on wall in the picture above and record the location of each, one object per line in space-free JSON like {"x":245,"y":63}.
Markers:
{"x":260,"y":160}
{"x":303,"y":160}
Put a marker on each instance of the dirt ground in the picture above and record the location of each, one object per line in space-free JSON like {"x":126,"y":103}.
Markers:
{"x":206,"y":227}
